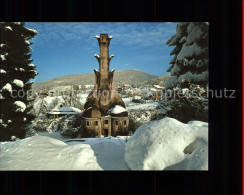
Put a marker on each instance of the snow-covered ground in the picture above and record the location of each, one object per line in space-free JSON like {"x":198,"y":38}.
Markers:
{"x":146,"y":106}
{"x":50,"y":151}
{"x":128,"y":101}
{"x":109,"y":152}
{"x":130,"y":105}
{"x":45,"y":153}
{"x":166,"y":144}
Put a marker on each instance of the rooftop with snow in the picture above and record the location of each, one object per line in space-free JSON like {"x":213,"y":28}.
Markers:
{"x":65,"y":110}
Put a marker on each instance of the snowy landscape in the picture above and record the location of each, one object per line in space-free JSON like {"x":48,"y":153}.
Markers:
{"x":44,"y":130}
{"x":166,"y":144}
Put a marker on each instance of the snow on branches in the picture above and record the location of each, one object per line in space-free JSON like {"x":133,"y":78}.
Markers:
{"x":190,"y":54}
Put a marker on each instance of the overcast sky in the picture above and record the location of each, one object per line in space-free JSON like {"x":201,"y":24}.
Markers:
{"x":64,"y":48}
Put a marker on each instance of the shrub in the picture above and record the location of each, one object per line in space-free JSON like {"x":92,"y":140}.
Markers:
{"x":191,"y":105}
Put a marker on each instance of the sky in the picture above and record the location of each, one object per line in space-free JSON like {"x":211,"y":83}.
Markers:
{"x":64,"y":48}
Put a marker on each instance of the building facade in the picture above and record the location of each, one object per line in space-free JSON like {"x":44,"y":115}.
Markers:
{"x":107,"y":126}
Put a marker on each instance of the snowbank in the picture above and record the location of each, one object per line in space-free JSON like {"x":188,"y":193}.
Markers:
{"x":109,"y":152}
{"x":168,"y":144}
{"x":45,"y":153}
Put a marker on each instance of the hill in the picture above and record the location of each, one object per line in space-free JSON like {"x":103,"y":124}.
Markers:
{"x":121,"y":77}
{"x":156,"y":81}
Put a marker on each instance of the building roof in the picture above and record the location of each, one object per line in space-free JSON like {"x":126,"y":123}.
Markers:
{"x":65,"y":110}
{"x":152,"y":89}
{"x":126,"y":85}
{"x":118,"y":111}
{"x":92,"y":112}
{"x":158,"y":87}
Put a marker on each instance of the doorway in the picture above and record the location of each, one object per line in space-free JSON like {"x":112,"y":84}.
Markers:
{"x":105,"y":132}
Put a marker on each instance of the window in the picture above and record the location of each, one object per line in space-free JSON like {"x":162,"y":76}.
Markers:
{"x":96,"y":133}
{"x":124,"y":122}
{"x":96,"y":123}
{"x":116,"y":122}
{"x":106,"y":122}
{"x":87,"y":123}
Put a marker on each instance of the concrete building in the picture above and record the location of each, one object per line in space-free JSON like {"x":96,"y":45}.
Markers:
{"x":105,"y":112}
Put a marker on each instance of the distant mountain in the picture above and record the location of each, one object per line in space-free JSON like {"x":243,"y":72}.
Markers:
{"x":121,"y":77}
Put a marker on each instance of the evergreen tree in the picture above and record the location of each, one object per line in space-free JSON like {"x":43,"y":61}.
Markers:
{"x":190,"y":61}
{"x":189,"y":73}
{"x":16,"y":71}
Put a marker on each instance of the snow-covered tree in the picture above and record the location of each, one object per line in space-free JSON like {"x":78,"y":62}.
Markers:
{"x":16,"y":71}
{"x":191,"y":60}
{"x":189,"y":73}
{"x":186,"y":105}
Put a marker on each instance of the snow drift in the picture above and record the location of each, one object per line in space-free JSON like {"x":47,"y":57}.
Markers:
{"x":168,"y":144}
{"x":45,"y":153}
{"x":48,"y":151}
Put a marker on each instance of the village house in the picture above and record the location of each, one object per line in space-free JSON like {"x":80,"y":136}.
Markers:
{"x":62,"y":111}
{"x":159,"y":88}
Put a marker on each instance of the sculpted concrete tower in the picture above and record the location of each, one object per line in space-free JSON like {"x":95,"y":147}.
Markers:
{"x":104,"y":75}
{"x":104,"y":95}
{"x":105,"y":112}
